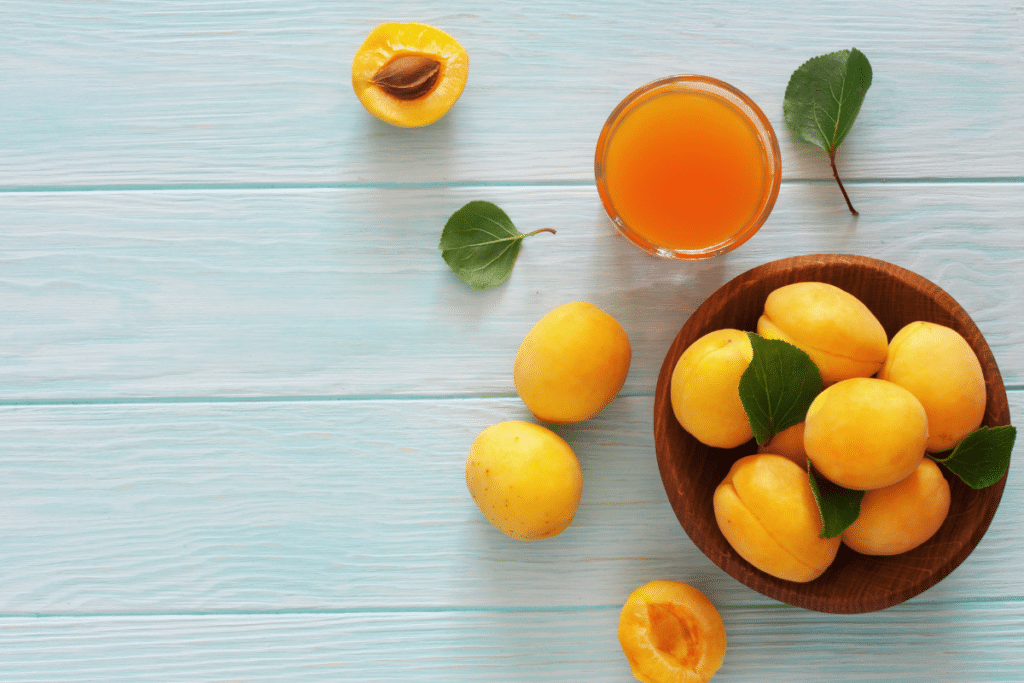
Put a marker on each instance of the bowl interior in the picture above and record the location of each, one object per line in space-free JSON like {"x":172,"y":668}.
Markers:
{"x":690,"y":470}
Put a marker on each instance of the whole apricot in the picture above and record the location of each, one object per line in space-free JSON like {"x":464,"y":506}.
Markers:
{"x":671,"y":632}
{"x":704,"y":389}
{"x":409,"y":74}
{"x":525,"y":479}
{"x":865,"y":433}
{"x":902,"y":516}
{"x":937,"y":365}
{"x":840,"y":334}
{"x":572,"y":363}
{"x":766,"y":510}
{"x":788,"y":443}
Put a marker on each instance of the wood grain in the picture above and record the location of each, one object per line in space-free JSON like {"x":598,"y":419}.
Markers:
{"x":344,"y":293}
{"x":530,"y":646}
{"x":237,"y":382}
{"x":186,"y":92}
{"x":356,"y":504}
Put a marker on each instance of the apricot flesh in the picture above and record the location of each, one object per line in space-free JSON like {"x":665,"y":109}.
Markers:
{"x":900,"y":517}
{"x":670,"y":632}
{"x":409,"y":74}
{"x":704,"y":389}
{"x":766,"y":510}
{"x":937,"y":365}
{"x":525,"y":479}
{"x":840,"y":334}
{"x":865,"y":433}
{"x":572,"y":363}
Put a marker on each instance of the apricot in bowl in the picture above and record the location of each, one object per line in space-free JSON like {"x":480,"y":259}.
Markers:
{"x":705,"y":388}
{"x":691,"y":470}
{"x":954,"y":397}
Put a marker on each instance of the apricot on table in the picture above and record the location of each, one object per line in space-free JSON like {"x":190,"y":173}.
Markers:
{"x":704,"y":389}
{"x":865,"y":433}
{"x":766,"y":510}
{"x":900,"y":517}
{"x":409,"y":74}
{"x":840,"y":334}
{"x":572,"y":363}
{"x":525,"y":479}
{"x":937,"y":365}
{"x":671,"y":632}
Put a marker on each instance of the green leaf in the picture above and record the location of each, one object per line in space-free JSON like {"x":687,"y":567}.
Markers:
{"x":824,"y":96}
{"x":823,"y":99}
{"x":839,"y":506}
{"x":983,"y":456}
{"x":480,"y":244}
{"x":777,"y":387}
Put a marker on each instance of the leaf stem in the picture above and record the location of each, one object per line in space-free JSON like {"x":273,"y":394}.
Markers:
{"x":832,"y":160}
{"x":551,"y":230}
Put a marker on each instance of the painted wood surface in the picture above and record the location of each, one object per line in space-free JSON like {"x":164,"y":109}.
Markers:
{"x":238,"y":383}
{"x":342,"y":292}
{"x":194,"y":92}
{"x":352,"y":504}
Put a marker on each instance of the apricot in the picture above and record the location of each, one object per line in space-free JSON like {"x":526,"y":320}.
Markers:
{"x":788,"y":443}
{"x":704,"y":389}
{"x":902,"y":516}
{"x":409,"y":74}
{"x":525,"y":479}
{"x":766,"y":510}
{"x":865,"y":433}
{"x":671,"y":632}
{"x":937,"y":365}
{"x":572,"y":363}
{"x":840,"y":334}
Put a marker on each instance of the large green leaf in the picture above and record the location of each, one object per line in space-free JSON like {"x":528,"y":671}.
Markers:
{"x":824,"y":96}
{"x":480,"y":244}
{"x":777,"y":387}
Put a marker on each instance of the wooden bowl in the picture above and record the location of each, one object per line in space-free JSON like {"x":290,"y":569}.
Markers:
{"x":690,"y":470}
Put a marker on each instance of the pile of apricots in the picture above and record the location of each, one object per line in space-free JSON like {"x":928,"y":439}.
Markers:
{"x":524,"y":477}
{"x":885,"y":405}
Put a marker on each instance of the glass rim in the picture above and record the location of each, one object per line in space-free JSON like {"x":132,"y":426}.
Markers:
{"x":740,"y":102}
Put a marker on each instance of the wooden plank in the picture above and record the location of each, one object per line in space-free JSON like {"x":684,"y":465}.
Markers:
{"x":344,"y":293}
{"x":357,"y":504}
{"x":213,"y":92}
{"x":522,"y":646}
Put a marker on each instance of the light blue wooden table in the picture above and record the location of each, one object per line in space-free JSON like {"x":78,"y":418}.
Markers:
{"x":238,"y":383}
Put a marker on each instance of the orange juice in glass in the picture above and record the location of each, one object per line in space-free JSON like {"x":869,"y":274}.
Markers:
{"x":688,"y":167}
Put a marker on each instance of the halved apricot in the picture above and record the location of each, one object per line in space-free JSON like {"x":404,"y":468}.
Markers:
{"x":409,"y":74}
{"x":671,"y":632}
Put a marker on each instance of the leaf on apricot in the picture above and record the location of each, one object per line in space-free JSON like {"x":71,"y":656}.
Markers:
{"x":983,"y":456}
{"x":839,"y":506}
{"x":777,"y":387}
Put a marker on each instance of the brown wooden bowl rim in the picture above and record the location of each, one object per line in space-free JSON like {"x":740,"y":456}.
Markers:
{"x":821,"y":595}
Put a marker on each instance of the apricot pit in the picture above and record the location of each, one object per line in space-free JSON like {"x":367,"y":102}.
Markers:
{"x":409,"y":74}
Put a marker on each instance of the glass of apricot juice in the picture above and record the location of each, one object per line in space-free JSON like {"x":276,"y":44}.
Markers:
{"x":688,"y":167}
